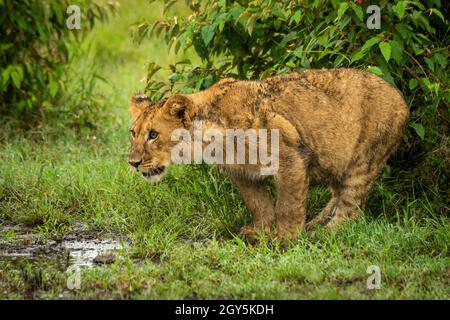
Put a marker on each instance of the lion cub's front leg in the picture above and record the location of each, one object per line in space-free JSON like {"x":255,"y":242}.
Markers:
{"x":292,"y":186}
{"x":257,"y":200}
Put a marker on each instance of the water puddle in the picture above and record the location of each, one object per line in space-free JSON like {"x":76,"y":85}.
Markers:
{"x":72,"y":253}
{"x":86,"y":253}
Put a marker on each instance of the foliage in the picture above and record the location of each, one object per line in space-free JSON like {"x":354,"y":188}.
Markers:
{"x":255,"y":39}
{"x":36,"y":47}
{"x":180,"y":235}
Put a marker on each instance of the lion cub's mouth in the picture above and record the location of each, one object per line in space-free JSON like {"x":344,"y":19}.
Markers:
{"x":154,"y":172}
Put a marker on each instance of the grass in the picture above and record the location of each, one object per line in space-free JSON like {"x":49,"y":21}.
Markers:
{"x":182,"y":232}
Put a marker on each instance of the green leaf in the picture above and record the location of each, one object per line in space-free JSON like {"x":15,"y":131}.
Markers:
{"x":54,"y":87}
{"x":385,"y":48}
{"x":397,"y":51}
{"x":297,"y":16}
{"x":400,"y":8}
{"x":207,"y":33}
{"x":5,"y":76}
{"x":221,"y":24}
{"x":58,"y":11}
{"x":338,"y":61}
{"x":438,"y":13}
{"x":236,"y":12}
{"x":369,"y":43}
{"x":375,"y":70}
{"x":413,"y":84}
{"x":439,"y":58}
{"x":359,"y":13}
{"x":417,"y":50}
{"x":420,"y":130}
{"x":385,"y":68}
{"x":15,"y":76}
{"x":298,"y":52}
{"x":323,"y":40}
{"x":357,"y":56}
{"x":152,"y":68}
{"x":430,"y":63}
{"x":175,"y":77}
{"x":342,"y":8}
{"x":251,"y":24}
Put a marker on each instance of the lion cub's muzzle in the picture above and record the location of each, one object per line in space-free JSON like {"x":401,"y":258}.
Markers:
{"x":134,"y":163}
{"x":154,"y":172}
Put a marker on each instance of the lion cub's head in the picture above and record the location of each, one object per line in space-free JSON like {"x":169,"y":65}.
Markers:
{"x":151,"y":130}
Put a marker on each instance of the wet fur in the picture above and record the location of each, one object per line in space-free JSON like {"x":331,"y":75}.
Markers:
{"x":337,"y":128}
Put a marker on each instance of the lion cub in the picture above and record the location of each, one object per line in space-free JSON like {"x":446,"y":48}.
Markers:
{"x":336,"y":128}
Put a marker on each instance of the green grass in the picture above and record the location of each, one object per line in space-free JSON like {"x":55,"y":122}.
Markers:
{"x":182,"y":232}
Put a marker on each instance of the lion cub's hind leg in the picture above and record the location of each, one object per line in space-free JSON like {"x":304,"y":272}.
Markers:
{"x":326,"y":214}
{"x":257,"y":199}
{"x":356,"y":185}
{"x":353,"y":193}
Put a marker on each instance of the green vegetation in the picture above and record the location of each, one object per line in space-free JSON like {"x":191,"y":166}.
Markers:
{"x":181,"y":233}
{"x":35,"y":49}
{"x":410,"y":51}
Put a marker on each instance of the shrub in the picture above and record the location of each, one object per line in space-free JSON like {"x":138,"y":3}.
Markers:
{"x":255,"y":39}
{"x":35,"y":48}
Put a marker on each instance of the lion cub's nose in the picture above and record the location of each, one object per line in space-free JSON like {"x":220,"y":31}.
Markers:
{"x":135,"y":163}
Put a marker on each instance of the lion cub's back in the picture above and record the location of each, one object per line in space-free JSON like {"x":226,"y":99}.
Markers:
{"x":343,"y":113}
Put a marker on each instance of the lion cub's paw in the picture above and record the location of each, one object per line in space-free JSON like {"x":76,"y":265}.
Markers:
{"x":336,"y":223}
{"x":288,"y":234}
{"x":252,"y":234}
{"x":310,"y":226}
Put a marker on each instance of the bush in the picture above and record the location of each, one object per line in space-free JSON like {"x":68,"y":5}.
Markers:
{"x":255,"y":39}
{"x":35,"y":49}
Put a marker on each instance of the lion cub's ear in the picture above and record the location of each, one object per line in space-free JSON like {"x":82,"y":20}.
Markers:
{"x":138,"y":103}
{"x":181,"y":107}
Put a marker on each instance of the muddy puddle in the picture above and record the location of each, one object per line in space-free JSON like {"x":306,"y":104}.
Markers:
{"x":73,"y":252}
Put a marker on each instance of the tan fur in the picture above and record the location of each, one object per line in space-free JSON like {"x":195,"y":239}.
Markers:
{"x":337,"y":128}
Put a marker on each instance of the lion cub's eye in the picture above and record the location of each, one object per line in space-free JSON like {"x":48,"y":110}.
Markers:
{"x":133,"y":134}
{"x":152,"y":135}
